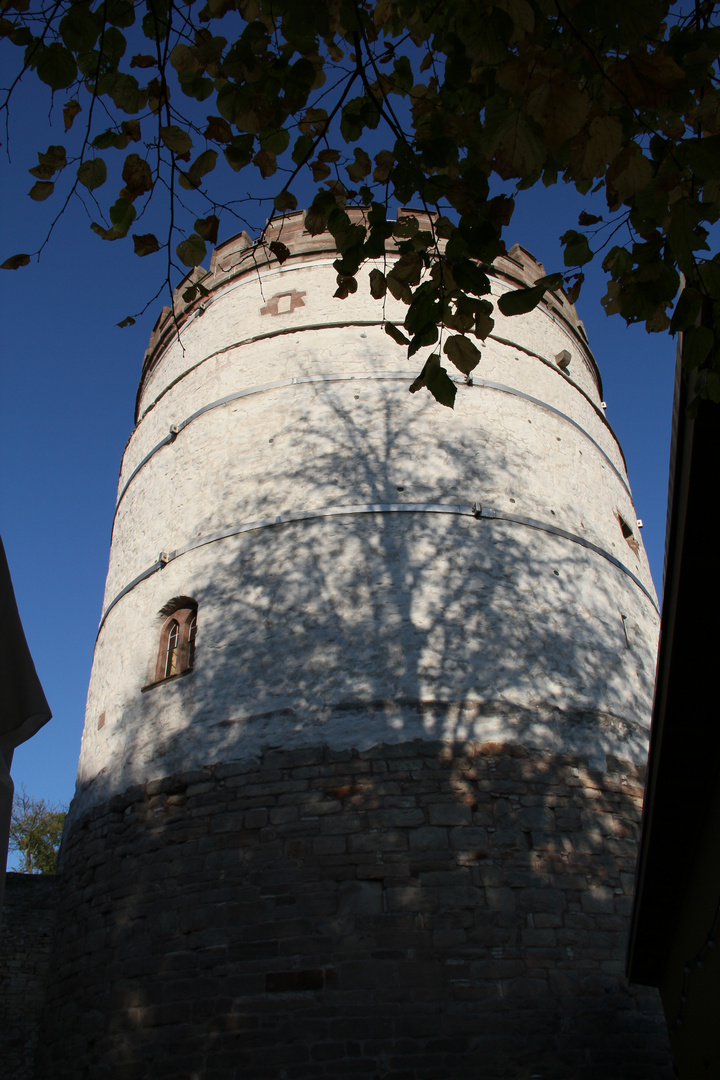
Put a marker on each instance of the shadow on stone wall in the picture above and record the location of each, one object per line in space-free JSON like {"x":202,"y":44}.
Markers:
{"x":330,"y":894}
{"x":417,"y":910}
{"x":26,"y":937}
{"x":368,"y":628}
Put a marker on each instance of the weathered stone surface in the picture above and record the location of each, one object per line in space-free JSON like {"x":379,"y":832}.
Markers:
{"x":26,"y":939}
{"x":323,"y":950}
{"x":408,"y":752}
{"x":367,"y":630}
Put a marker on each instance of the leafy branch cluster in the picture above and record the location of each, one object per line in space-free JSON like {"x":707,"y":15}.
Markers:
{"x":436,"y":100}
{"x":35,"y":832}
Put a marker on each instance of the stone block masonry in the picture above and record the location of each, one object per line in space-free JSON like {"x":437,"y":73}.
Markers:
{"x":417,"y":911}
{"x":368,"y":571}
{"x":26,"y":938}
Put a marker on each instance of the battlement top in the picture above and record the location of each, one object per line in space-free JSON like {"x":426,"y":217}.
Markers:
{"x":240,"y":255}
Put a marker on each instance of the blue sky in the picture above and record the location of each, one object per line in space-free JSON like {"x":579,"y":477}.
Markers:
{"x":66,"y":411}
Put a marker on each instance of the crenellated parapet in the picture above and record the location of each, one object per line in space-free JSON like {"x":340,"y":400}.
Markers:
{"x":239,"y":257}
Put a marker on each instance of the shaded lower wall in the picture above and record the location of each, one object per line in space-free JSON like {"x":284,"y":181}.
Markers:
{"x":26,"y":938}
{"x":412,"y":911}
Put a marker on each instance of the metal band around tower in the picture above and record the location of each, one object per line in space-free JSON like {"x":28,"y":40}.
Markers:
{"x":473,"y":510}
{"x":391,"y":376}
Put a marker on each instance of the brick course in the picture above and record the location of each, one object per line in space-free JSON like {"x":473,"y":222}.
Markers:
{"x":461,"y":920}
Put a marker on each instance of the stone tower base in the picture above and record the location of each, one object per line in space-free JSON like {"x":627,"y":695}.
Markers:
{"x":411,"y":912}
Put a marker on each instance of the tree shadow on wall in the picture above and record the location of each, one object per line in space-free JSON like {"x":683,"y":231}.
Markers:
{"x":396,"y":860}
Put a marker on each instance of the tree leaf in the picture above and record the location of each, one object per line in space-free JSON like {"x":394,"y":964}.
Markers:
{"x":127,"y":321}
{"x":56,"y":67}
{"x":109,"y":138}
{"x":207,"y":228}
{"x":595,"y":146}
{"x":397,"y":335}
{"x":407,"y":269}
{"x":191,"y":251}
{"x":361,"y":166}
{"x":42,"y":190}
{"x":145,"y":244}
{"x":15,"y":262}
{"x":378,"y":285}
{"x":218,"y":130}
{"x":106,"y":234}
{"x":92,"y":173}
{"x":302,"y":149}
{"x":586,"y":219}
{"x":461,"y":351}
{"x":122,"y":215}
{"x":275,"y":142}
{"x":70,"y":111}
{"x":137,"y":176}
{"x":266,"y":163}
{"x":320,"y":170}
{"x":399,"y":289}
{"x":436,"y":379}
{"x":176,"y":139}
{"x":346,"y":285}
{"x":202,"y":165}
{"x":520,"y":301}
{"x":315,"y":220}
{"x":517,"y":149}
{"x":484,"y":321}
{"x":627,"y":174}
{"x":120,"y":12}
{"x":52,"y":161}
{"x":279,"y":250}
{"x":577,"y":250}
{"x":551,"y":281}
{"x":80,"y":27}
{"x":285,"y":200}
{"x":384,"y":162}
{"x":239,"y":153}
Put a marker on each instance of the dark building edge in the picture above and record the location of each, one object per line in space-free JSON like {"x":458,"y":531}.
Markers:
{"x":675,"y":913}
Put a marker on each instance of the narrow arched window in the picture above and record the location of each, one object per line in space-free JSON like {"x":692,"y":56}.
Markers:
{"x":192,"y":633}
{"x":178,"y":637}
{"x":171,"y":652}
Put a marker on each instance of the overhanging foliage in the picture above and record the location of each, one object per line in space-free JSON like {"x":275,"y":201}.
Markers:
{"x":409,"y":101}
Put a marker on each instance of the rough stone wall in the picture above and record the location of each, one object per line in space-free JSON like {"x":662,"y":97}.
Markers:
{"x":26,"y":939}
{"x":371,"y":572}
{"x":414,"y":911}
{"x":305,"y":626}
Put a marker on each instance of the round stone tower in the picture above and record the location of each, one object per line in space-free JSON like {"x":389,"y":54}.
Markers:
{"x":362,"y":765}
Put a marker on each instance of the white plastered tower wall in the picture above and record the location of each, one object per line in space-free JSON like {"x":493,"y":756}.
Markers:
{"x":369,"y":567}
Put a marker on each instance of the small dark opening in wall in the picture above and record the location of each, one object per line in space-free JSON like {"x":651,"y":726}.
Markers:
{"x":628,"y":534}
{"x":284,"y":982}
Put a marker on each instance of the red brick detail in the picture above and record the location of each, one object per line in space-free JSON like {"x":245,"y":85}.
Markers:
{"x":283,"y":303}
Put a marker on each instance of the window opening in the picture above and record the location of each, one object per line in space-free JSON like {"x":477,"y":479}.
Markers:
{"x":172,"y":648}
{"x":628,"y":534}
{"x":178,"y":639}
{"x":192,"y":634}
